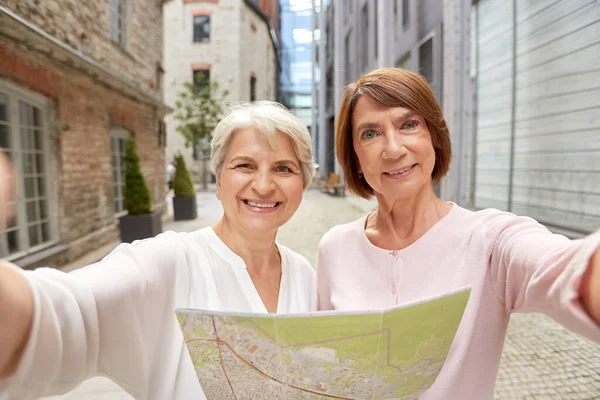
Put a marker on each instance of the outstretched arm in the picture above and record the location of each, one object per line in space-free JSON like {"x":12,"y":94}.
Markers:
{"x":16,"y":314}
{"x":590,"y":288}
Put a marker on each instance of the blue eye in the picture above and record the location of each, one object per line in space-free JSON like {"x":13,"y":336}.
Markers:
{"x":283,"y":168}
{"x":410,"y":125}
{"x":369,"y":135}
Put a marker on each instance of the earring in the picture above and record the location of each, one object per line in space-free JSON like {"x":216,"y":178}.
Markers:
{"x":218,"y":196}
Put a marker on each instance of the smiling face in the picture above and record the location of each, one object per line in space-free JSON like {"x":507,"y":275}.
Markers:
{"x":394,"y":149}
{"x":260,"y":186}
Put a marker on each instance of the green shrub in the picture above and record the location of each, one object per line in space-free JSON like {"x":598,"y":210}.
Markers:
{"x":182,"y":183}
{"x":136,"y":197}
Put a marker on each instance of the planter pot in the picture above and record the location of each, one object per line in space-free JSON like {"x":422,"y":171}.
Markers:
{"x":184,"y":207}
{"x":137,"y":227}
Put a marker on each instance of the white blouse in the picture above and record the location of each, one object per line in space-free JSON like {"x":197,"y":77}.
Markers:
{"x":116,"y":318}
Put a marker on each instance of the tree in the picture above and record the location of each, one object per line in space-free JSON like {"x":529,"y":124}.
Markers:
{"x":198,"y":109}
{"x":182,"y":183}
{"x":137,"y":199}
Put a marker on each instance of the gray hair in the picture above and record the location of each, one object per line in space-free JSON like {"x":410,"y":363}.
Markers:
{"x":267,"y":117}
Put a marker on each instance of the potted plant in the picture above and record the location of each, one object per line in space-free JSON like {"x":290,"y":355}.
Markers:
{"x":140,"y":222}
{"x":184,"y":202}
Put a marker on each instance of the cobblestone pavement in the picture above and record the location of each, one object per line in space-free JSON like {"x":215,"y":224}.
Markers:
{"x":541,"y":359}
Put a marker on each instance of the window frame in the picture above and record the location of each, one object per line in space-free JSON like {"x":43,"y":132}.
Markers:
{"x":16,"y":96}
{"x":208,"y":35}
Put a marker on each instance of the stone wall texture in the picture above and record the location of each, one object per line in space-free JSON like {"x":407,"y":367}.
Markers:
{"x":240,"y":46}
{"x":86,"y":26}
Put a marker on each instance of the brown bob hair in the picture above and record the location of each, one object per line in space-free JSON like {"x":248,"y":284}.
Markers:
{"x":390,"y":87}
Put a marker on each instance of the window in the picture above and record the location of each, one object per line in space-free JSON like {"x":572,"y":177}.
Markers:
{"x":201,"y":28}
{"x":426,"y":60}
{"x":252,"y":88}
{"x":201,"y":78}
{"x":405,"y":14}
{"x":23,"y":139}
{"x":118,"y":143}
{"x":118,"y":18}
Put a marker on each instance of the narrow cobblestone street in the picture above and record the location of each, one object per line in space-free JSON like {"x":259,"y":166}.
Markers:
{"x":541,"y":359}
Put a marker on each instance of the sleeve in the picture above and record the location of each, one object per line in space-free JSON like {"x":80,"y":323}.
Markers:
{"x":534,"y":270}
{"x":100,"y":320}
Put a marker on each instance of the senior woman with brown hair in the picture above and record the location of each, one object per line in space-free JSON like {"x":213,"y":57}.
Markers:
{"x":393,"y":143}
{"x":117,"y":317}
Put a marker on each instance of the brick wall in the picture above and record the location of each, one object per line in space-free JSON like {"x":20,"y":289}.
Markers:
{"x":86,"y":26}
{"x":82,"y":113}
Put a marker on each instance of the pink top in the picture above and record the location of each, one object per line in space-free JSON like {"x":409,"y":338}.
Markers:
{"x":512,"y":263}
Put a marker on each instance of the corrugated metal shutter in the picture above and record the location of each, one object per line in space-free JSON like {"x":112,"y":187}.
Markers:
{"x":538,"y":142}
{"x":426,"y":60}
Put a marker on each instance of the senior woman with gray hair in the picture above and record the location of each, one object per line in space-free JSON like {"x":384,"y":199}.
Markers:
{"x":116,"y":317}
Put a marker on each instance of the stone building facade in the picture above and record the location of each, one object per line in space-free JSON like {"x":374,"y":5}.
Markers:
{"x":232,"y":41}
{"x":76,"y":80}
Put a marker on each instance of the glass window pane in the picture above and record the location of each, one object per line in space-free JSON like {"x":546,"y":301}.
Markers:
{"x":4,"y":136}
{"x":23,"y":113}
{"x":43,"y":208}
{"x":3,"y":107}
{"x":29,"y":163}
{"x":29,"y":187}
{"x":39,"y":157}
{"x":38,"y":140}
{"x":32,"y":213}
{"x":41,"y":181}
{"x":13,"y":241}
{"x":25,"y":138}
{"x":34,"y":237}
{"x":37,"y":117}
{"x":45,"y":232}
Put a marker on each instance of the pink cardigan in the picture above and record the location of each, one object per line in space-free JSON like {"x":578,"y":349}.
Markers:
{"x":512,"y":263}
